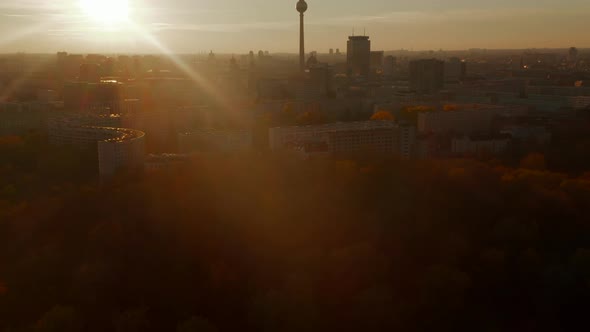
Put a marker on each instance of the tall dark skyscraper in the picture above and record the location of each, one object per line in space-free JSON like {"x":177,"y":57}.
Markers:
{"x":301,"y":8}
{"x":359,"y":55}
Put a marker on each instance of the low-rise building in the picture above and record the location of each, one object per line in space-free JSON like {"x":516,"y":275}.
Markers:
{"x":479,"y":145}
{"x":165,"y":162}
{"x":348,"y":137}
{"x":214,"y":140}
{"x":17,"y":118}
{"x":535,"y":134}
{"x":464,"y":120}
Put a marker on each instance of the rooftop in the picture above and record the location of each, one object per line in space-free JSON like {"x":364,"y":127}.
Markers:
{"x":347,"y":126}
{"x":168,"y":157}
{"x":120,"y":134}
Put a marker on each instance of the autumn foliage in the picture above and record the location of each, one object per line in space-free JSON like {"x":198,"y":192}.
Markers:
{"x":534,"y":161}
{"x":383,"y":116}
{"x":266,"y":243}
{"x":450,"y":108}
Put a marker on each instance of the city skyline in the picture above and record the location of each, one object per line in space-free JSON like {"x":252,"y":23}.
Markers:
{"x":229,"y":26}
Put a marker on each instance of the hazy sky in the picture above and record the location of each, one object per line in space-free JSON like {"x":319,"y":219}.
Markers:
{"x":241,"y":25}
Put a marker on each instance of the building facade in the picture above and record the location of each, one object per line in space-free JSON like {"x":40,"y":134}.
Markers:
{"x":122,"y":150}
{"x":118,"y":148}
{"x":211,"y":140}
{"x":19,"y":118}
{"x":427,"y":76}
{"x":348,"y":137}
{"x":467,"y":121}
{"x":359,"y":56}
{"x":479,"y":145}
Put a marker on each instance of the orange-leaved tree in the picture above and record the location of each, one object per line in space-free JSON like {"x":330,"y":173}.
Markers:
{"x":383,"y":116}
{"x":3,"y":288}
{"x":534,"y":161}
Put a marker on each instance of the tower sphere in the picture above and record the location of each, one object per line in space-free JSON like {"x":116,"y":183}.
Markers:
{"x":302,"y":6}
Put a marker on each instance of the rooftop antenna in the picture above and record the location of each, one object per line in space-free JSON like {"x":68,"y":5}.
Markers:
{"x":353,"y":31}
{"x":365,"y":32}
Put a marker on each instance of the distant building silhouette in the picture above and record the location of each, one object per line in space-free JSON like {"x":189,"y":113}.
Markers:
{"x":389,"y":65}
{"x":89,"y":72}
{"x":377,"y":58}
{"x":301,"y":8}
{"x":427,"y":76}
{"x":359,"y":55}
{"x":573,"y":54}
{"x":455,"y":70}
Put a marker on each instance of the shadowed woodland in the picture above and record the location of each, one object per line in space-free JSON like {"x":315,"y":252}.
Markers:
{"x":267,"y":243}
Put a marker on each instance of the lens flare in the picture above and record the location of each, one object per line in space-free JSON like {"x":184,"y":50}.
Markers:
{"x":106,"y":11}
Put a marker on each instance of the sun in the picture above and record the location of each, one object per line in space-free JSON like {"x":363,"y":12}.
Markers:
{"x":108,"y":12}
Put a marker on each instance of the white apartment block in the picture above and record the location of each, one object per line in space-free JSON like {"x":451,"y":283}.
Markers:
{"x":346,"y":137}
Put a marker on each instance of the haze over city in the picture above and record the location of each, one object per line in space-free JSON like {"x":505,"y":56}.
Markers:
{"x":236,"y":26}
{"x":294,"y":166}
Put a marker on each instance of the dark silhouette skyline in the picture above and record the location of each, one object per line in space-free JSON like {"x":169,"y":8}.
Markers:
{"x":232,"y":26}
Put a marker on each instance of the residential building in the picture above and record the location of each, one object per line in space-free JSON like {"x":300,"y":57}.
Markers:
{"x":479,"y":145}
{"x":427,"y":75}
{"x":212,"y":140}
{"x":165,"y":162}
{"x":465,"y":121}
{"x":348,"y":137}
{"x":119,"y":150}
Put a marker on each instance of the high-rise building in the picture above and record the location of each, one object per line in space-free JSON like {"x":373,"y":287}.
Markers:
{"x":389,"y":65}
{"x":455,"y":70}
{"x":573,"y":54}
{"x":359,"y":55}
{"x":99,"y":98}
{"x":427,"y":75}
{"x":301,"y":8}
{"x":89,"y":72}
{"x":321,"y":76}
{"x":377,"y":58}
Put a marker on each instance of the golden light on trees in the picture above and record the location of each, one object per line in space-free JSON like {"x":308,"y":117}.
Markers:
{"x":383,"y":116}
{"x":534,"y":161}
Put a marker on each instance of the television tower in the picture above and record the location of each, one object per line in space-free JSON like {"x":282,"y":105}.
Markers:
{"x":301,"y":8}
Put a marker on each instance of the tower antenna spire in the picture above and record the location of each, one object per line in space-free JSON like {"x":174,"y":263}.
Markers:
{"x":301,"y":8}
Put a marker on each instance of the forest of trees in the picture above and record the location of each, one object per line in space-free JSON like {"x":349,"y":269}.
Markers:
{"x":266,"y":243}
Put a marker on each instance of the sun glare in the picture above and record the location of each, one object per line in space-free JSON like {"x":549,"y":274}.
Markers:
{"x":106,"y":11}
